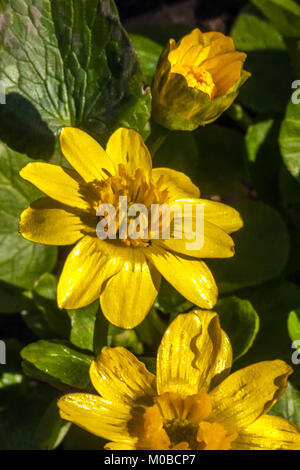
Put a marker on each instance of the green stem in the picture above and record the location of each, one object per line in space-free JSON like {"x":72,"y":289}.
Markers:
{"x":156,"y":138}
{"x":237,"y":113}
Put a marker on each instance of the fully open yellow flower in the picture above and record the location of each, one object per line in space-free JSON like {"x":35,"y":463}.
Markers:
{"x":193,"y":403}
{"x":196,"y":80}
{"x":124,"y":273}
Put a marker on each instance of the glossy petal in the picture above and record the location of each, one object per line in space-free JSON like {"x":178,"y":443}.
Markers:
{"x":120,"y":377}
{"x":126,"y":146}
{"x":85,"y":155}
{"x":89,"y":264}
{"x":127,"y":297}
{"x":217,"y":213}
{"x":186,"y":43}
{"x":177,"y":183}
{"x":96,"y":415}
{"x":248,"y":393}
{"x":191,"y":277}
{"x":51,"y":223}
{"x":119,"y":446}
{"x":193,"y":352}
{"x":269,"y":433}
{"x":214,"y":242}
{"x":62,"y":184}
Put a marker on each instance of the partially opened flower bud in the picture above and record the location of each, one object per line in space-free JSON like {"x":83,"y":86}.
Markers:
{"x":196,"y":80}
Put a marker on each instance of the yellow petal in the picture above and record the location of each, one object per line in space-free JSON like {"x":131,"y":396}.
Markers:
{"x":191,"y":277}
{"x":225,"y":70}
{"x":214,"y":44}
{"x":89,"y":264}
{"x":248,"y":393}
{"x":118,"y":376}
{"x":217,"y":213}
{"x":178,"y":184}
{"x":119,"y":446}
{"x":193,"y":352}
{"x":96,"y":415}
{"x":219,"y":42}
{"x":209,"y":242}
{"x":126,"y":147}
{"x":195,"y":38}
{"x":85,"y":155}
{"x":62,"y":184}
{"x":269,"y":433}
{"x":128,"y":296}
{"x":51,"y":223}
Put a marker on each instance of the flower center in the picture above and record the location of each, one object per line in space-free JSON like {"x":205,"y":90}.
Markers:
{"x":174,"y":422}
{"x":197,"y":77}
{"x":133,"y":199}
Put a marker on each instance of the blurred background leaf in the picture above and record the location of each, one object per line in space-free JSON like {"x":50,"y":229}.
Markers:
{"x":268,"y":90}
{"x":262,"y":248}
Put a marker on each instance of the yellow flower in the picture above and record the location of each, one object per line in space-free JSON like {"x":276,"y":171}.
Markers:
{"x":196,"y":80}
{"x":124,"y":273}
{"x":193,"y":403}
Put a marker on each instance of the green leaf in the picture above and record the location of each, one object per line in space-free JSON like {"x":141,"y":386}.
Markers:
{"x":151,"y":330}
{"x":273,"y":302}
{"x":294,"y":324}
{"x":59,"y":362}
{"x":79,"y":439}
{"x":240,"y":321}
{"x":83,"y":326}
{"x":45,"y":299}
{"x":150,"y":363}
{"x":288,"y":405}
{"x":126,"y":338}
{"x":66,"y":63}
{"x":289,"y":187}
{"x":220,"y":162}
{"x":21,"y":262}
{"x":52,"y":429}
{"x":22,"y":401}
{"x":284,"y":14}
{"x":268,"y":89}
{"x":178,"y":151}
{"x":289,"y":139}
{"x":170,"y":301}
{"x":148,"y":53}
{"x":262,"y":248}
{"x":264,"y":158}
{"x":13,"y":299}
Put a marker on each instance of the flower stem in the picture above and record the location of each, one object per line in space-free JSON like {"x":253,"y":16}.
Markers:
{"x":156,"y":138}
{"x":238,"y":114}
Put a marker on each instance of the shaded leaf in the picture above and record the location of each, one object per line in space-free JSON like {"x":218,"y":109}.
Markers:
{"x":284,"y":14}
{"x":45,"y":299}
{"x":262,"y":248}
{"x":21,"y":262}
{"x":268,"y":89}
{"x":240,"y":321}
{"x":264,"y":159}
{"x":83,"y":326}
{"x":52,"y":429}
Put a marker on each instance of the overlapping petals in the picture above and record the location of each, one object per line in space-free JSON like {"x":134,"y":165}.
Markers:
{"x":194,"y":404}
{"x":124,"y":276}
